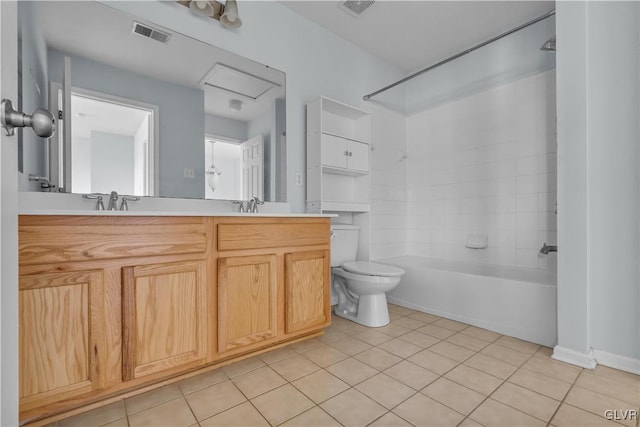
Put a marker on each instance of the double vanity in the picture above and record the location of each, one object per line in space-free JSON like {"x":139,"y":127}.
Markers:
{"x":115,"y":303}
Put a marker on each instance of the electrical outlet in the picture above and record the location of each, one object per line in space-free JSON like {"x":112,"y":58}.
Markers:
{"x":189,"y":173}
{"x":299,"y":179}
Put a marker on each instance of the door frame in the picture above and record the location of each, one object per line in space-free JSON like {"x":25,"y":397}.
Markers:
{"x":9,"y":222}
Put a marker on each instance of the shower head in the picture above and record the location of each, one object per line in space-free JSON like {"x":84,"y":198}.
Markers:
{"x":549,"y":45}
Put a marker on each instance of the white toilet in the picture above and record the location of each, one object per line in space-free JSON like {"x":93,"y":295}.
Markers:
{"x":359,"y":285}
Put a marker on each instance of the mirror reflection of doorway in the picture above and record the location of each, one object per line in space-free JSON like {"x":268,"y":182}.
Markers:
{"x":110,"y":146}
{"x":235,"y":169}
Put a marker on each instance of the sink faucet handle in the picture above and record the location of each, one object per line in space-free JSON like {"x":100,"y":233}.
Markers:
{"x":124,"y":206}
{"x":97,"y":197}
{"x":241,"y":203}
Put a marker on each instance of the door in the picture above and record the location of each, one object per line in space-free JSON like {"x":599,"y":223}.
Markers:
{"x":307,"y":294}
{"x":253,"y":168}
{"x":247,"y":301}
{"x":334,"y":151}
{"x":164,"y":318}
{"x":62,"y":340}
{"x":9,"y":221}
{"x":358,"y":157}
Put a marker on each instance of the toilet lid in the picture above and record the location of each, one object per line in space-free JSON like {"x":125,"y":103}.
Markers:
{"x":372,"y":269}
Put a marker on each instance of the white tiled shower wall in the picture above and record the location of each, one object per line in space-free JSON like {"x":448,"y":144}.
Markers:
{"x":482,"y":164}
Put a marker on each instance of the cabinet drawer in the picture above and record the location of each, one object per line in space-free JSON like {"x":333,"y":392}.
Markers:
{"x":272,"y":235}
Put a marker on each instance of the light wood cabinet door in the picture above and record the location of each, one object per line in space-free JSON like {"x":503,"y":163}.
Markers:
{"x":61,"y":344}
{"x":164,"y":318}
{"x":307,"y":295}
{"x":247,"y":301}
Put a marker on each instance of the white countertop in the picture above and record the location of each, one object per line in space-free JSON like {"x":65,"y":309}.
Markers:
{"x":34,"y":203}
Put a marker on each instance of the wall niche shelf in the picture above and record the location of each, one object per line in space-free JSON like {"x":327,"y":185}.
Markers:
{"x":338,"y":157}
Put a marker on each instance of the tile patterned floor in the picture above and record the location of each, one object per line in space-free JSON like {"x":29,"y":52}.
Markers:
{"x":420,"y":370}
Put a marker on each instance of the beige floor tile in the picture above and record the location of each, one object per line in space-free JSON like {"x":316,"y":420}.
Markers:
{"x":96,"y":417}
{"x":424,"y":317}
{"x":243,"y":366}
{"x":542,"y":384}
{"x":451,"y":324}
{"x":306,"y":345}
{"x":259,"y":381}
{"x":409,"y":323}
{"x":467,"y":341}
{"x":314,"y":417}
{"x":436,"y":331}
{"x":277,"y":355}
{"x":390,"y":420}
{"x":569,"y":416}
{"x":411,"y":374}
{"x":350,"y":346}
{"x":352,"y":371}
{"x":385,"y":390}
{"x":393,"y":330}
{"x":331,"y":335}
{"x":214,"y":399}
{"x":491,"y":366}
{"x":517,"y":345}
{"x":394,"y":316}
{"x":480,"y":333}
{"x":122,"y":422}
{"x":281,"y":404}
{"x":597,"y":403}
{"x":493,"y":413}
{"x":398,"y":309}
{"x":400,"y":348}
{"x":527,"y":401}
{"x":505,"y":354}
{"x":373,"y":337}
{"x":468,"y":422}
{"x":455,"y":396}
{"x":325,"y":355}
{"x":474,"y":379}
{"x":421,"y":410}
{"x":614,"y":374}
{"x":294,"y":367}
{"x":320,"y":385}
{"x":419,"y":339}
{"x":433,"y":362}
{"x":378,"y":359}
{"x":201,"y":381}
{"x":553,"y":368}
{"x":610,"y":387}
{"x":175,"y":413}
{"x":341,"y":325}
{"x":352,"y":408}
{"x":544,"y":352}
{"x":452,"y":351}
{"x":152,"y":398}
{"x":243,"y":415}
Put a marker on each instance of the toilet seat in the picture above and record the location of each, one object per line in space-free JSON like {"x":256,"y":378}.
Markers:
{"x":372,"y":269}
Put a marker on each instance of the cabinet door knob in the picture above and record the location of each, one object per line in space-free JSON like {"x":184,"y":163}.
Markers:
{"x":346,"y":153}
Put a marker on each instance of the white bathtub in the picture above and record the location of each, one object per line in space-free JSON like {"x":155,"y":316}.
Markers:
{"x":513,"y":301}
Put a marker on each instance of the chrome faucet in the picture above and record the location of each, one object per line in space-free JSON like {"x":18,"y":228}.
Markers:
{"x":253,"y":204}
{"x":97,"y":197}
{"x":548,"y":248}
{"x":124,"y":206}
{"x":113,"y":201}
{"x":44,"y":182}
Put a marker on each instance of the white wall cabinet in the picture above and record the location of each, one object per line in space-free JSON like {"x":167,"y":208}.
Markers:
{"x":338,"y":157}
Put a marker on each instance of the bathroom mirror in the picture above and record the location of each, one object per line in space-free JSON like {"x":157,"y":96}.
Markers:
{"x":144,"y":110}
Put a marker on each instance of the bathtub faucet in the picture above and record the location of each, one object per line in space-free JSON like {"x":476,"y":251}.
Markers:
{"x":548,"y":248}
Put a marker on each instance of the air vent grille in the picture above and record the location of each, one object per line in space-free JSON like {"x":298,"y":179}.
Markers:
{"x":151,"y":33}
{"x":356,"y":7}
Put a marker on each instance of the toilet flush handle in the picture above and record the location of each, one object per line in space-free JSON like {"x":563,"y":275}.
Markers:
{"x":332,"y":233}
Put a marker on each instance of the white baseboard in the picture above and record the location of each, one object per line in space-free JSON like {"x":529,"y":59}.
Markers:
{"x":616,"y":361}
{"x":564,"y":354}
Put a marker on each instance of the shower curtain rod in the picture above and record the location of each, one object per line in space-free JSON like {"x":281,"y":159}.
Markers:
{"x":458,"y":55}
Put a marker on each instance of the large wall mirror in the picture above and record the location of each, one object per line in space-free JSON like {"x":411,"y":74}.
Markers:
{"x":144,"y":110}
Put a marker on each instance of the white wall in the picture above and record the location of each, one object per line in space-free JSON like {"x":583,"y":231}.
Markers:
{"x":111,"y":163}
{"x":598,"y":181}
{"x":485,"y":164}
{"x":81,"y":165}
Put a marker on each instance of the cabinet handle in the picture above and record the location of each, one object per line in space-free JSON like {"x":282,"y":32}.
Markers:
{"x":346,"y":153}
{"x":350,"y":154}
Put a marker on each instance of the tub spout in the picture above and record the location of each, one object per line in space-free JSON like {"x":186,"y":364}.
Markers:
{"x":548,"y":248}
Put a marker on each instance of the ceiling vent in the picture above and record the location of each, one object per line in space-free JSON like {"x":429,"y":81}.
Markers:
{"x":356,"y":7}
{"x":150,"y":33}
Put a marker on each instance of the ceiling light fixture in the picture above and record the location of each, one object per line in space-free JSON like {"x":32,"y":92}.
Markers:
{"x":226,"y":13}
{"x":235,"y":105}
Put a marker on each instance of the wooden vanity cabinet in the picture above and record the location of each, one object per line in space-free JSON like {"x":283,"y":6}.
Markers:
{"x":111,"y":304}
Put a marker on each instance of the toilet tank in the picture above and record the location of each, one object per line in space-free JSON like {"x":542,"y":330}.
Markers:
{"x":344,"y":243}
